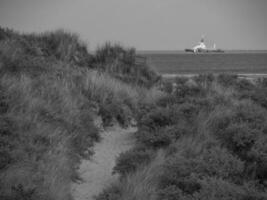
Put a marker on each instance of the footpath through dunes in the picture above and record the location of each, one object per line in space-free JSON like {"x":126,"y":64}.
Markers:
{"x":96,"y":173}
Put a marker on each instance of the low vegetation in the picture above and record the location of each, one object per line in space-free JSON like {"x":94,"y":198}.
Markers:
{"x":122,"y":64}
{"x":206,"y":139}
{"x":199,"y":138}
{"x":51,"y":89}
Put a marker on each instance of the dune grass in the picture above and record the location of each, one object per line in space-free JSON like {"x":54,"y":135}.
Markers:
{"x":121,"y":63}
{"x":50,"y":91}
{"x":205,"y":140}
{"x":47,"y":128}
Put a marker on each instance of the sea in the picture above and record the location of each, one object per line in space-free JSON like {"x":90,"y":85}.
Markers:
{"x":182,"y":63}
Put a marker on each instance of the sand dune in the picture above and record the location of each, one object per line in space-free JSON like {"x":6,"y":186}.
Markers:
{"x":97,"y":172}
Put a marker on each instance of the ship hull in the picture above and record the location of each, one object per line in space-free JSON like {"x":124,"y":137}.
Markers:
{"x":189,"y":50}
{"x":205,"y":51}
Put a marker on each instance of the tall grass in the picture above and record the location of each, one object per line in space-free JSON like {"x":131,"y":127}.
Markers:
{"x":48,"y":129}
{"x":121,"y":63}
{"x":49,"y":96}
{"x":141,"y":185}
{"x":117,"y":99}
{"x":210,"y":136}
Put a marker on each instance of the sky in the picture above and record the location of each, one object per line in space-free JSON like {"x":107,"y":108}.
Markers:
{"x":145,"y":24}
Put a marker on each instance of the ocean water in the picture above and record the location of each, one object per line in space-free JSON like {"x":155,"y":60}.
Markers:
{"x":253,"y":62}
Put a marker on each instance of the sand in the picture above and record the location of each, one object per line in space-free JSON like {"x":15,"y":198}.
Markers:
{"x":97,"y":172}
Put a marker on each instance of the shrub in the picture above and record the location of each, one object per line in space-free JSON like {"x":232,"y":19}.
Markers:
{"x":262,"y":82}
{"x":205,"y":80}
{"x":227,"y":80}
{"x":257,"y":95}
{"x":187,"y":111}
{"x":185,"y":91}
{"x":241,"y":130}
{"x":129,"y":161}
{"x":63,"y":46}
{"x":45,"y":119}
{"x":111,"y":193}
{"x":180,"y":80}
{"x":219,"y":162}
{"x":177,"y":172}
{"x":47,"y":98}
{"x":258,"y":154}
{"x":178,"y":130}
{"x":109,"y":53}
{"x":167,"y":100}
{"x":246,"y":113}
{"x":156,"y":138}
{"x":170,"y":193}
{"x":6,"y":33}
{"x":216,"y":188}
{"x":157,"y":118}
{"x":115,"y":110}
{"x":57,"y":46}
{"x":203,"y":175}
{"x":120,"y":63}
{"x":244,"y":85}
{"x":167,"y":86}
{"x":239,"y":138}
{"x":249,"y":113}
{"x":214,"y":143}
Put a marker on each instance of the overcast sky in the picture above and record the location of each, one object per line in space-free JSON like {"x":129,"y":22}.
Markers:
{"x":145,"y":24}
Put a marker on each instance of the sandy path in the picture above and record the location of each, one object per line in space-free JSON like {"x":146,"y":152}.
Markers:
{"x":96,"y":172}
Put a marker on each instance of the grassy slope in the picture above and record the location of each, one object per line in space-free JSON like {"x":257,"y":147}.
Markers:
{"x":50,"y":89}
{"x":205,"y":140}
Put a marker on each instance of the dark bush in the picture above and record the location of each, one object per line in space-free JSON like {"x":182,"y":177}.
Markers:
{"x":3,"y":101}
{"x":158,"y":117}
{"x":129,"y":161}
{"x":45,"y":127}
{"x":6,"y":33}
{"x":239,"y":138}
{"x":181,"y":80}
{"x":205,"y":80}
{"x":221,"y":163}
{"x":109,"y":53}
{"x":254,"y":116}
{"x":156,"y":138}
{"x":245,"y":113}
{"x":183,"y":91}
{"x":63,"y":46}
{"x":121,"y":63}
{"x":187,"y":111}
{"x":241,"y":130}
{"x":7,"y":141}
{"x":178,"y":130}
{"x":171,"y":192}
{"x":111,"y":193}
{"x":258,"y":153}
{"x":5,"y":159}
{"x":167,"y":86}
{"x":216,"y":188}
{"x":167,"y":100}
{"x":244,"y":85}
{"x":22,"y":193}
{"x":227,"y":80}
{"x":257,"y":95}
{"x":262,"y":82}
{"x":178,"y":172}
{"x":118,"y":111}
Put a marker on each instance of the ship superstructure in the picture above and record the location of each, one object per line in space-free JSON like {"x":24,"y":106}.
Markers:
{"x":202,"y":48}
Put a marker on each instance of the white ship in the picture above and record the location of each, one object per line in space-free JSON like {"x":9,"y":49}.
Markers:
{"x":202,"y":48}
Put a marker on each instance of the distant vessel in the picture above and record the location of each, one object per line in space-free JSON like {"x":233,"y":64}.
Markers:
{"x":201,"y":48}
